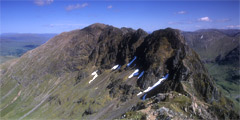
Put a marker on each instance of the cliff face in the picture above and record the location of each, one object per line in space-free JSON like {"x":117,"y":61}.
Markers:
{"x":55,"y":81}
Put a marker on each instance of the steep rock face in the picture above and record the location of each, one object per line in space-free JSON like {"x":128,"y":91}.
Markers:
{"x":53,"y":80}
{"x":115,"y":47}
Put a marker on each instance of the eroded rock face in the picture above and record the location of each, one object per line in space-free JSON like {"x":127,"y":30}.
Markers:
{"x":65,"y":63}
{"x":163,"y":51}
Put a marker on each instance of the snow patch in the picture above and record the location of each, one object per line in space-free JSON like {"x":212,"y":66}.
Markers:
{"x":132,"y":61}
{"x":202,"y":37}
{"x":94,"y":76}
{"x":148,"y":89}
{"x":156,"y":84}
{"x":118,"y":67}
{"x":141,"y":74}
{"x":114,"y":67}
{"x":135,"y":74}
{"x":94,"y":73}
{"x":139,"y":93}
{"x":144,"y":97}
{"x":136,"y":71}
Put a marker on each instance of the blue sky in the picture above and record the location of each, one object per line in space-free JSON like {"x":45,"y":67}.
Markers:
{"x":56,"y":16}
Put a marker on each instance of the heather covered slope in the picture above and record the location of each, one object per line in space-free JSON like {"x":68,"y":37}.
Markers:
{"x":52,"y":81}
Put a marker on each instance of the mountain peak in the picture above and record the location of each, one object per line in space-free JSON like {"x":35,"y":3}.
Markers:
{"x":98,"y":25}
{"x":99,"y":72}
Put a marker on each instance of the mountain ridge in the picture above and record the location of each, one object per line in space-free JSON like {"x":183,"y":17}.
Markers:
{"x":219,"y":50}
{"x":58,"y":73}
{"x":210,"y":43}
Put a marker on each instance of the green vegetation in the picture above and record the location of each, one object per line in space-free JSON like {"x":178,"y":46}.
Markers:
{"x":221,"y":75}
{"x":178,"y":103}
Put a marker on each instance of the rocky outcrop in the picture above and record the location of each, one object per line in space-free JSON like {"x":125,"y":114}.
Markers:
{"x":62,"y":69}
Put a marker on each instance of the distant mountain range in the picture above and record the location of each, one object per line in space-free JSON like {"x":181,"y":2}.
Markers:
{"x":104,"y":72}
{"x":26,"y":37}
{"x":219,"y":49}
{"x":15,"y":45}
{"x":212,"y":44}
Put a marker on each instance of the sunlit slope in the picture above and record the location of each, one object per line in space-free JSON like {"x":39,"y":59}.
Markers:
{"x":53,"y":80}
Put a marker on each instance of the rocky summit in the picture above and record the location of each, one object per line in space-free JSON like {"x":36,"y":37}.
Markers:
{"x":103,"y":72}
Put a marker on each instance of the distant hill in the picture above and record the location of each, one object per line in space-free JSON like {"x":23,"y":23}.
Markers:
{"x":232,"y":57}
{"x":219,"y":49}
{"x":213,"y":43}
{"x":26,"y":37}
{"x":229,"y":32}
{"x":14,"y":44}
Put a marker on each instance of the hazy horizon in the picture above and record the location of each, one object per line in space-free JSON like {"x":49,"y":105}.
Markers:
{"x":56,"y":16}
{"x":120,"y":27}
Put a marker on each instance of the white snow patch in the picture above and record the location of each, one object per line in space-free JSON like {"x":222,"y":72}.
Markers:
{"x":114,"y":67}
{"x":95,"y":72}
{"x":95,"y":76}
{"x":139,"y":93}
{"x":150,"y":88}
{"x":202,"y":37}
{"x":157,"y":83}
{"x":133,"y":73}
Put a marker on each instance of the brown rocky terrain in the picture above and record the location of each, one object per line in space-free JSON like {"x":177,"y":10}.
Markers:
{"x":54,"y":79}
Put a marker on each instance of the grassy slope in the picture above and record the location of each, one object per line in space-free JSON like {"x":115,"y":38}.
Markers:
{"x":220,"y":73}
{"x":63,"y":97}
